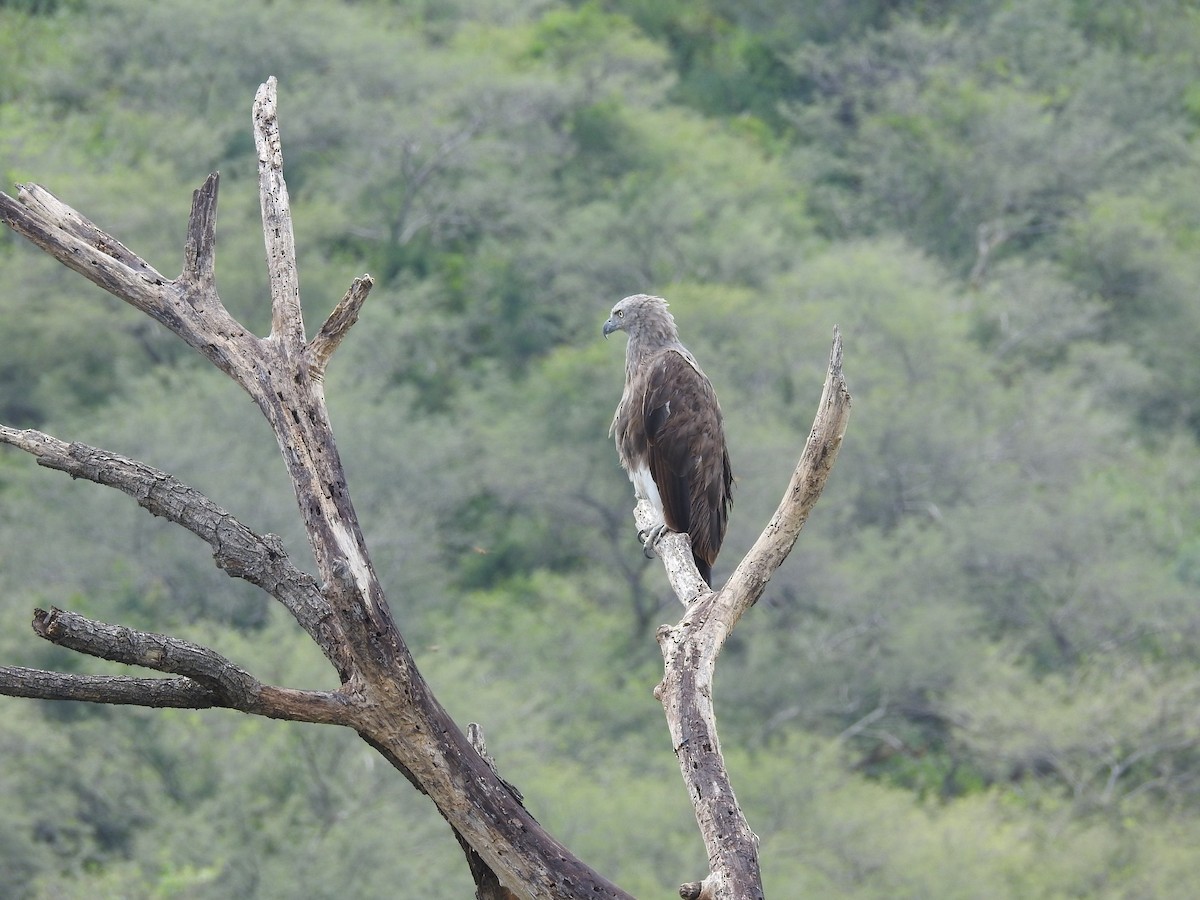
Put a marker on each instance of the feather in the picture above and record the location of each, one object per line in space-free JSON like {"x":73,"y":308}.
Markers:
{"x":669,"y":423}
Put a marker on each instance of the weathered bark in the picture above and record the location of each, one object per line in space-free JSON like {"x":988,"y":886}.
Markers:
{"x":260,"y":560}
{"x":209,"y":679}
{"x":690,"y":650}
{"x":381,"y":696}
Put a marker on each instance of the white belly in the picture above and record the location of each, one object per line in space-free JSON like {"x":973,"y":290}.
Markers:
{"x":646,"y":489}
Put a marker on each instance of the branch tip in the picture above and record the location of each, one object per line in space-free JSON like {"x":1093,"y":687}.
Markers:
{"x":286,"y":320}
{"x":199,"y":252}
{"x":339,"y":322}
{"x":39,"y":684}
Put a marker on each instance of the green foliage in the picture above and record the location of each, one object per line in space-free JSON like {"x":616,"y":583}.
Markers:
{"x":976,"y":674}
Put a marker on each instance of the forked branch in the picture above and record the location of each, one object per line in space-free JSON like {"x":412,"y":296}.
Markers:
{"x":690,"y":649}
{"x":209,"y":679}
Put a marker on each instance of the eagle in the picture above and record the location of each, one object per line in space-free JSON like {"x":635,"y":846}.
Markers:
{"x":669,"y":432}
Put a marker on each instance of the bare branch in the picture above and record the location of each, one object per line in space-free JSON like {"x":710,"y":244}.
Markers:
{"x":237,"y":550}
{"x":690,"y":651}
{"x":200,"y":249}
{"x":78,"y":244}
{"x":317,"y":707}
{"x":38,"y":684}
{"x":117,"y":643}
{"x":340,"y":321}
{"x":750,"y":578}
{"x":190,"y":308}
{"x":51,"y":209}
{"x":286,"y":321}
{"x":225,"y":684}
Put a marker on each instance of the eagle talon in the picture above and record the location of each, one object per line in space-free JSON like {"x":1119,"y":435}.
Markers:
{"x":650,"y":538}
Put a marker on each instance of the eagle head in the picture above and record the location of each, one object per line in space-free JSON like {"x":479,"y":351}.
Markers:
{"x":639,"y":312}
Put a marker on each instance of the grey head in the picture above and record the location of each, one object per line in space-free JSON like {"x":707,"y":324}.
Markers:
{"x":643,"y":316}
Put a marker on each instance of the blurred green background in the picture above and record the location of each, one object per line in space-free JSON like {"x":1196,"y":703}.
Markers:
{"x":977,"y":675}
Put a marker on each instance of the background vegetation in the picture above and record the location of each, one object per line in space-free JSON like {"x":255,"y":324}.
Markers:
{"x":979,"y":673}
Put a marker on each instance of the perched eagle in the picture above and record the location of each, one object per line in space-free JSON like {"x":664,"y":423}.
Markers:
{"x":668,"y":430}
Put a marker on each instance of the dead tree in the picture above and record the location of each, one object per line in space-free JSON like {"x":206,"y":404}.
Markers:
{"x":382,"y":695}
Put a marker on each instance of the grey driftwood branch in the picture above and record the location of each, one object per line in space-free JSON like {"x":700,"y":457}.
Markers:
{"x":382,"y":696}
{"x":691,"y":647}
{"x":237,"y":550}
{"x":208,"y":678}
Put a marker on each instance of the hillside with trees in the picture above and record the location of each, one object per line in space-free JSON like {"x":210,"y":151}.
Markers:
{"x":978,"y":673}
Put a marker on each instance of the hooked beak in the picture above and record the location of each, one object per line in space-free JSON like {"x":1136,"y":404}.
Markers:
{"x":609,"y":327}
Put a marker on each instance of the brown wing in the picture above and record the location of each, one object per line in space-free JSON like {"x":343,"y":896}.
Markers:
{"x":687,"y":453}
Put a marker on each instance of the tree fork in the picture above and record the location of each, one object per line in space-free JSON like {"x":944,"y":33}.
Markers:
{"x":690,"y":648}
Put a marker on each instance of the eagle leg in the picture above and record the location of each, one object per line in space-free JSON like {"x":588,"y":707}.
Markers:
{"x":650,"y":538}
